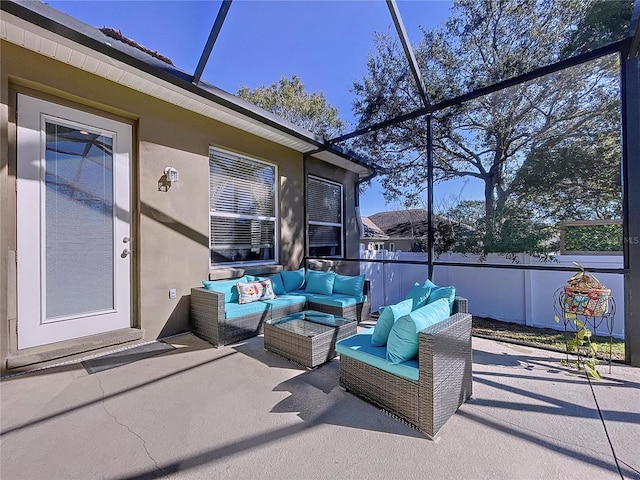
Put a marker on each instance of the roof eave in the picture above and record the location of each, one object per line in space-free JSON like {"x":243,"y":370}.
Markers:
{"x":255,"y":120}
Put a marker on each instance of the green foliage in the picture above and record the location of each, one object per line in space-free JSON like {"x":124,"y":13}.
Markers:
{"x":580,"y":179}
{"x":594,"y":238}
{"x":522,"y":142}
{"x":603,"y":22}
{"x":289,"y":100}
{"x":516,"y":231}
{"x":581,"y":343}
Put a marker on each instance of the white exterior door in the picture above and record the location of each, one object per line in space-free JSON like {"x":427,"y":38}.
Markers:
{"x":73,"y":223}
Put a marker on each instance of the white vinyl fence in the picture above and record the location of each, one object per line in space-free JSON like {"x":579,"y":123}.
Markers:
{"x":511,"y":295}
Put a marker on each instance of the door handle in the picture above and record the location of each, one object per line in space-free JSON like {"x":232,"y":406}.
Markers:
{"x":125,"y":253}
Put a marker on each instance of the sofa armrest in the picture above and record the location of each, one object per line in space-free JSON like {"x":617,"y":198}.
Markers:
{"x":445,"y":380}
{"x":206,"y":315}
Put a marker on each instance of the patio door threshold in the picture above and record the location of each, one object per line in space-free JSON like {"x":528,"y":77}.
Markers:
{"x":65,"y":350}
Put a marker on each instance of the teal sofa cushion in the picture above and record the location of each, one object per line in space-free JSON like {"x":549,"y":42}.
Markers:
{"x":292,"y":279}
{"x":402,"y":344}
{"x":336,"y":300}
{"x":300,"y":293}
{"x":276,"y":281}
{"x":235,"y":310}
{"x":419,"y":294}
{"x":228,"y":287}
{"x":359,"y":348}
{"x":348,"y":285}
{"x":286,"y":300}
{"x":388,"y":316}
{"x":320,"y":282}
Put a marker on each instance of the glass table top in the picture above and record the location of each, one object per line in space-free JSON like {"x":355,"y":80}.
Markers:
{"x":309,"y":322}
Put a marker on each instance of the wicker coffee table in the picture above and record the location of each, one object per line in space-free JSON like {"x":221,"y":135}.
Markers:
{"x":308,"y":338}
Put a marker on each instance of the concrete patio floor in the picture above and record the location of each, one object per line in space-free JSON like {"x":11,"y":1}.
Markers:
{"x":243,"y":412}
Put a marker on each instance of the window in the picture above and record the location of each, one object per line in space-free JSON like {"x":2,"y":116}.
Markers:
{"x":242,"y":210}
{"x":392,"y":247}
{"x":324,"y":208}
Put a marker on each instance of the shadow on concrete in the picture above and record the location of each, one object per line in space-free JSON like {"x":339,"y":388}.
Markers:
{"x":521,"y":433}
{"x":103,"y":398}
{"x":552,"y":405}
{"x":316,"y":398}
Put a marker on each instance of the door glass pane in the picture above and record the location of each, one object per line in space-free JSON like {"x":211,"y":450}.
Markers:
{"x":78,"y":222}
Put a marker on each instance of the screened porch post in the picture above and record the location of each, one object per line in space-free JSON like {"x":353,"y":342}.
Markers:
{"x":631,"y":175}
{"x":430,"y":232}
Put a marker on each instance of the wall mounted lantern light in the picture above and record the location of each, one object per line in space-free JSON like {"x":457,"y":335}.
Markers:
{"x":170,"y":175}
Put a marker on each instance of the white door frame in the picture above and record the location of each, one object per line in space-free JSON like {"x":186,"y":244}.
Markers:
{"x":33,"y":327}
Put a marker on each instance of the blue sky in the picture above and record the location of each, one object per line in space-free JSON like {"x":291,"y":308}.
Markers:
{"x":325,"y":43}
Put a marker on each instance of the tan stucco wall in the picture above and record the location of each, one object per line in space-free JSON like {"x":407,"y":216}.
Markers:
{"x":170,"y":228}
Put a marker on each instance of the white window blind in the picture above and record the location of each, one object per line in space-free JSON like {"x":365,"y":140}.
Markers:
{"x":242,"y":209}
{"x":324,"y":209}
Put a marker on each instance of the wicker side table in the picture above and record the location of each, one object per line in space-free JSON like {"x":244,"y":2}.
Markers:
{"x":307,"y":338}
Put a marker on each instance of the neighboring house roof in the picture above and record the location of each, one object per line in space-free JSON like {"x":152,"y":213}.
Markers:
{"x":57,"y":35}
{"x":401,"y":223}
{"x":372,"y":231}
{"x":406,"y":224}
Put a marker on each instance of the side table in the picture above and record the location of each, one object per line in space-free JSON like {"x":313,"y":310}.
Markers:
{"x":307,"y":338}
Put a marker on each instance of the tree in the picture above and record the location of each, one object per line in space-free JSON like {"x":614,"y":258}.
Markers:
{"x":604,"y":22}
{"x":492,"y":137}
{"x":577,"y":181}
{"x":288,"y":99}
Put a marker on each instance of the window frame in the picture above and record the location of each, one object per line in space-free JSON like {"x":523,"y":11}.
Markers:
{"x":275,"y":219}
{"x":339,"y":225}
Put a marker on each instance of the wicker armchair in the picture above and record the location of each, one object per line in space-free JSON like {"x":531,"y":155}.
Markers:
{"x":444,"y":381}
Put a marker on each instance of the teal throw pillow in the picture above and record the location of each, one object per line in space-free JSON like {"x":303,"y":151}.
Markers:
{"x":293,"y":279}
{"x":419,"y":294}
{"x":388,"y":316}
{"x":448,"y":293}
{"x":228,"y":287}
{"x":349,"y":285}
{"x":403,"y":341}
{"x":320,"y":282}
{"x":278,"y":284}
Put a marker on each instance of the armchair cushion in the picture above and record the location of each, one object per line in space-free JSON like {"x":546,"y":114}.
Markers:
{"x":419,"y":294}
{"x":402,"y":344}
{"x":388,"y":316}
{"x":360,"y":348}
{"x":448,"y":293}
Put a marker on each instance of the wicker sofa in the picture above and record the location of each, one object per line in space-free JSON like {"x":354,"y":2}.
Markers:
{"x":214,"y":317}
{"x":443,"y":373}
